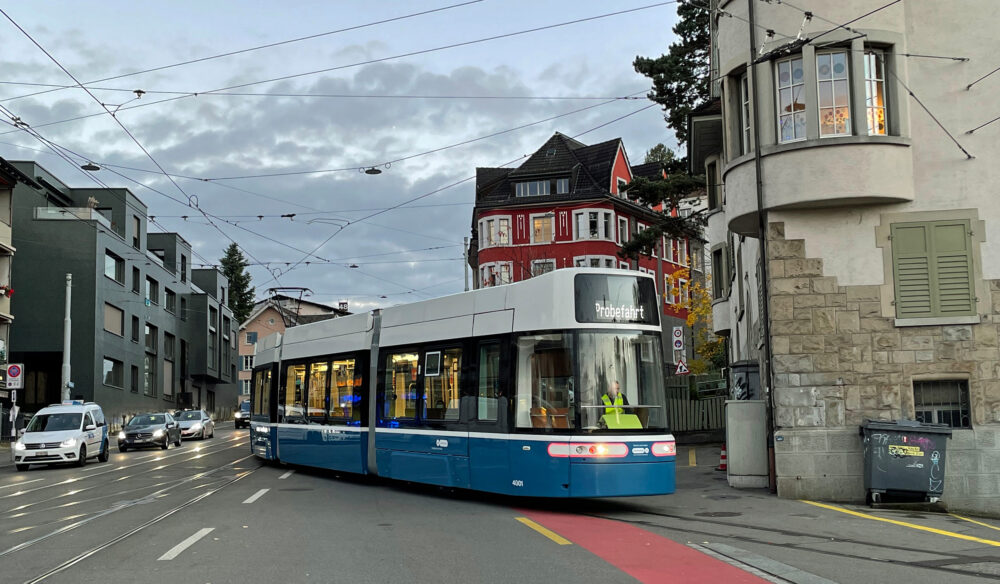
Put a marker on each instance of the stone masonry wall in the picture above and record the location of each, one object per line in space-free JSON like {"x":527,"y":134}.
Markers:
{"x":837,"y":361}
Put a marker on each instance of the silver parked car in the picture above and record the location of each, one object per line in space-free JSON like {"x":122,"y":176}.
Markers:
{"x":196,"y":424}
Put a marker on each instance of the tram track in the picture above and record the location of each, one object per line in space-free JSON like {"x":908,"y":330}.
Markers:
{"x":127,"y":505}
{"x":934,"y":565}
{"x":152,"y":459}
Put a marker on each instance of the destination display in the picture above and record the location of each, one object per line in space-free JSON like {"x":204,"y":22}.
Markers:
{"x":620,"y":299}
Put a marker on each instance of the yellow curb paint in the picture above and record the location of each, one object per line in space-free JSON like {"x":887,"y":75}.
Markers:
{"x":974,"y":521}
{"x":692,"y":459}
{"x":905,"y":524}
{"x":547,"y":533}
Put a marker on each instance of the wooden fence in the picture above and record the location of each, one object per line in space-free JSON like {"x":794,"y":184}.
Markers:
{"x":690,"y":412}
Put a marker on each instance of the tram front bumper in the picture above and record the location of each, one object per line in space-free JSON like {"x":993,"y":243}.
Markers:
{"x":621,"y":479}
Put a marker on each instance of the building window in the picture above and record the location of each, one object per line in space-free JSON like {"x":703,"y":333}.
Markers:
{"x":213,"y":337}
{"x":942,"y":402}
{"x":114,"y":320}
{"x":149,"y":375}
{"x":875,"y":93}
{"x":532,"y":188}
{"x":539,"y":267}
{"x":682,"y":252}
{"x":720,"y":275}
{"x":134,"y":387}
{"x":592,"y":224}
{"x":152,"y":290}
{"x":712,"y":180}
{"x":136,"y":231}
{"x":248,"y":362}
{"x":744,"y":119}
{"x":171,"y":301}
{"x":541,"y":228}
{"x":135,"y":329}
{"x":503,"y":232}
{"x":151,"y":338}
{"x":184,"y":308}
{"x":622,"y":185}
{"x":834,"y":94}
{"x":114,"y":372}
{"x":251,"y":338}
{"x":623,"y":230}
{"x":562,"y":186}
{"x":169,"y":341}
{"x":168,"y":378}
{"x":671,"y":253}
{"x":245,"y":386}
{"x":494,"y":231}
{"x":184,"y":268}
{"x":791,"y":100}
{"x":495,"y":274}
{"x":114,"y":267}
{"x":933,"y":269}
{"x":136,"y":278}
{"x":595,"y":261}
{"x":227,"y":326}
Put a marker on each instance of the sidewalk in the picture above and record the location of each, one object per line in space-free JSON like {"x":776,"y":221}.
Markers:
{"x":816,"y":542}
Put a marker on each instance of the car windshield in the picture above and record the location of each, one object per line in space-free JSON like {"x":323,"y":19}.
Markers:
{"x":147,"y":420}
{"x":54,"y":422}
{"x":245,"y":406}
{"x":190,"y":416}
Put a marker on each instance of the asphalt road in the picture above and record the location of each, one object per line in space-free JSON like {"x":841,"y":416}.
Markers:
{"x":209,"y":512}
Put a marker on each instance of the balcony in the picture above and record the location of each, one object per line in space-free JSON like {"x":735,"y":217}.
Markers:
{"x":721,"y":318}
{"x":71,"y":214}
{"x":834,"y":172}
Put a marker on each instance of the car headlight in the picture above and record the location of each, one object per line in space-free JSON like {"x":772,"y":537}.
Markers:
{"x":196,"y":427}
{"x":121,"y":435}
{"x":19,"y":445}
{"x":68,"y":443}
{"x":238,"y":415}
{"x":158,"y":433}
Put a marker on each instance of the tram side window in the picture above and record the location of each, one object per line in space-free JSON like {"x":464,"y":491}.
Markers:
{"x":489,"y":381}
{"x":292,"y":408}
{"x":345,"y":387}
{"x":442,"y":373}
{"x":318,"y":373}
{"x":400,"y":387}
{"x":261,"y":395}
{"x":545,"y":381}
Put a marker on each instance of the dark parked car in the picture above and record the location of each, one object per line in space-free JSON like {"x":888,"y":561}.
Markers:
{"x":242,"y":417}
{"x":196,"y":423}
{"x":156,"y":429}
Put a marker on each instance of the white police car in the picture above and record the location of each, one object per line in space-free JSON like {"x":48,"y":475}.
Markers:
{"x":69,"y":432}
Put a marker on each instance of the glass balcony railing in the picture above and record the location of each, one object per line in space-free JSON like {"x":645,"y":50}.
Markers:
{"x":71,"y":213}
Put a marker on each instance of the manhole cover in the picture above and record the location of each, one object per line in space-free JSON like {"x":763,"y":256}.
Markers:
{"x":717,"y":514}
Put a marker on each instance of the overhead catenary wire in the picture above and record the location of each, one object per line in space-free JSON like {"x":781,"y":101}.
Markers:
{"x":258,"y":47}
{"x":969,"y":86}
{"x":373,"y":61}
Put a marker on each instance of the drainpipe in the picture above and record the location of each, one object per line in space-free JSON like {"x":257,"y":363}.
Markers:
{"x":765,"y":316}
{"x":64,"y":388}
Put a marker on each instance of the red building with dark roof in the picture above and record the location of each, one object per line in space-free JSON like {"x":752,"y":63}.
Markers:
{"x":565,"y":207}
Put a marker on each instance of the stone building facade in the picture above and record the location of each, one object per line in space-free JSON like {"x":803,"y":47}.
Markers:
{"x":854,"y":231}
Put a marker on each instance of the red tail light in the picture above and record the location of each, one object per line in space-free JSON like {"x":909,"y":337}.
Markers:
{"x":664,"y":449}
{"x":588,"y":450}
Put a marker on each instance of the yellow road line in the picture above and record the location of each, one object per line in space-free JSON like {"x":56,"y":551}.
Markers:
{"x":974,"y":521}
{"x":547,"y":533}
{"x":692,"y":459}
{"x":905,"y":524}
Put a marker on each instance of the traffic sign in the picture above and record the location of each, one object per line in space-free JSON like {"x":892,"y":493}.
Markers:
{"x":682,"y":368}
{"x":15,"y":378}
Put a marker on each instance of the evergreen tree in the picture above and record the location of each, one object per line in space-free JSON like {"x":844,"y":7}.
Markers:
{"x":680,"y":84}
{"x":241,"y":295}
{"x":681,"y":77}
{"x":666,"y":158}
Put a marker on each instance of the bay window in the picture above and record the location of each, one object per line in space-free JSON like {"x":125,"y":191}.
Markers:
{"x":833,"y":93}
{"x":791,"y":100}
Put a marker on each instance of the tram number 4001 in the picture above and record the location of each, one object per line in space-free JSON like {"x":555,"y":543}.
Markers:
{"x":517,"y":483}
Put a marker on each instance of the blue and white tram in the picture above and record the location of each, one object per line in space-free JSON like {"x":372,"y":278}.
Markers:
{"x":504,"y":389}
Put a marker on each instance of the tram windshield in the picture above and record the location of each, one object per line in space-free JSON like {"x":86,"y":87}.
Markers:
{"x":594,"y":381}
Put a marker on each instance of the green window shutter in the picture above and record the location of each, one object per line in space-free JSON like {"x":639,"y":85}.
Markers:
{"x":955,"y":293}
{"x":932,"y":269}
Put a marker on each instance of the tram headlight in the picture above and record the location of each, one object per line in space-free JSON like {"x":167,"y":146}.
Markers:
{"x":664,"y":449}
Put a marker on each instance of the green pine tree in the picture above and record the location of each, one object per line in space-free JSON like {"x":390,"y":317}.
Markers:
{"x":241,"y":294}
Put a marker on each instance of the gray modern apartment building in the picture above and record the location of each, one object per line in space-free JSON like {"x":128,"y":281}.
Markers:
{"x":148,"y":331}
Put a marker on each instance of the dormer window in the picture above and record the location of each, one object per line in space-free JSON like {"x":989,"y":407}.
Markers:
{"x":535,"y":188}
{"x":622,"y":187}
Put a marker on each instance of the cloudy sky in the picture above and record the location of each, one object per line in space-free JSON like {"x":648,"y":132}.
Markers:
{"x":426,"y":98}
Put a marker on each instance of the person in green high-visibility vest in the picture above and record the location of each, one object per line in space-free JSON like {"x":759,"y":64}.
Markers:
{"x":613,"y":399}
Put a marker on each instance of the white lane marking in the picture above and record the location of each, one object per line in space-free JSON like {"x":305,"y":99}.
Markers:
{"x":177,"y":549}
{"x":256,"y":496}
{"x":20,"y":483}
{"x":286,"y":475}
